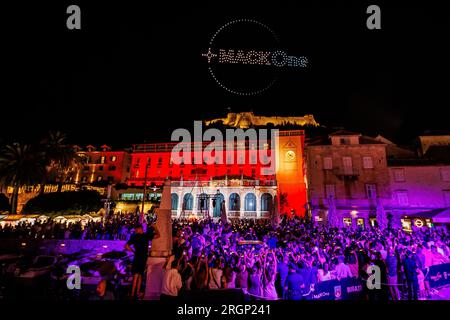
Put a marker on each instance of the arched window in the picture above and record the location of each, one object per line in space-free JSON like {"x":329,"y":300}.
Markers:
{"x":174,"y":198}
{"x":266,"y":202}
{"x":203,"y":202}
{"x":250,"y":202}
{"x":217,"y":202}
{"x":235,"y":202}
{"x":188,"y":201}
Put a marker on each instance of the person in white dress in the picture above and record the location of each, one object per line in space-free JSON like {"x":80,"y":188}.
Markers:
{"x":324,"y":274}
{"x":269,"y":276}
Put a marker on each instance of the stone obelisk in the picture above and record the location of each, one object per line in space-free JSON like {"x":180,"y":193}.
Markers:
{"x":161,"y":247}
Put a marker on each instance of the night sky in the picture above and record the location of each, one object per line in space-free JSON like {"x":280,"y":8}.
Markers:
{"x":135,"y":72}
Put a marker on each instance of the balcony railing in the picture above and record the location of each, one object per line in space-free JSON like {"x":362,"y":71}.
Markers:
{"x":250,"y":214}
{"x":168,"y":147}
{"x":225,"y":183}
{"x":341,"y":172}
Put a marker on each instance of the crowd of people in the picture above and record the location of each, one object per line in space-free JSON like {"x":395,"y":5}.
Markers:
{"x":267,"y":261}
{"x":114,"y":227}
{"x":286,"y":261}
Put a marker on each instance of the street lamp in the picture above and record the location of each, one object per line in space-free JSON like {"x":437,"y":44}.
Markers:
{"x":141,"y":215}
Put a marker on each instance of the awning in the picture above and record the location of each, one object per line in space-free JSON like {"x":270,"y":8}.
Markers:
{"x":442,"y":217}
{"x":437,"y":215}
{"x":13,"y":217}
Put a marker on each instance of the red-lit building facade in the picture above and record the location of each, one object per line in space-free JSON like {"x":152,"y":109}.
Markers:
{"x":102,"y":165}
{"x":239,"y":177}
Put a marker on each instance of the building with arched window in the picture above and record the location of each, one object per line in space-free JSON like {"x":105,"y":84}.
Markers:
{"x":241,"y":176}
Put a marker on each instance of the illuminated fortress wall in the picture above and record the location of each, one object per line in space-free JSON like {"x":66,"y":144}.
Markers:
{"x":245,"y":120}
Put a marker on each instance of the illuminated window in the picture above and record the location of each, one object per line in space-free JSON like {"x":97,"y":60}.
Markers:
{"x":99,"y":178}
{"x":347,"y":222}
{"x":174,"y":200}
{"x":250,"y":202}
{"x":360,"y":222}
{"x":367,"y":163}
{"x":188,"y":201}
{"x":203,"y":202}
{"x":406,"y":224}
{"x":327,"y":163}
{"x":372,"y":221}
{"x":235,"y":202}
{"x":113,"y":158}
{"x":399,"y":175}
{"x":102,"y":159}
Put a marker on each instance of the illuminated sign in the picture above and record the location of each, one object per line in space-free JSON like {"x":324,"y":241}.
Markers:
{"x":418,"y":223}
{"x":241,"y":77}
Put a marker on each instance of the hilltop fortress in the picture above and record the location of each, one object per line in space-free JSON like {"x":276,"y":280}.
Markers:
{"x":245,"y":120}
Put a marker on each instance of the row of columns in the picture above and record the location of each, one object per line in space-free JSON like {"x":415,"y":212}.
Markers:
{"x":226,"y":192}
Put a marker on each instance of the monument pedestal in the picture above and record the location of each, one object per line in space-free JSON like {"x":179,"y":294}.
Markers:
{"x":161,"y":246}
{"x":155,"y":275}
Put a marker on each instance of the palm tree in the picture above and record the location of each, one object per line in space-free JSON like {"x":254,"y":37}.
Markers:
{"x":61,"y":157}
{"x":20,"y":165}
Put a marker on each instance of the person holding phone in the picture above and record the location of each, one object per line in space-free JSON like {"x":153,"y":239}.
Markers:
{"x":139,"y":244}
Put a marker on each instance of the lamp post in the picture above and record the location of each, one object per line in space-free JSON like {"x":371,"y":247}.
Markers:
{"x":141,"y":215}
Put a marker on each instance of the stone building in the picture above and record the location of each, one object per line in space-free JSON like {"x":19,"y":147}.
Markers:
{"x":102,"y":165}
{"x":350,"y":168}
{"x":420,"y":181}
{"x":198,"y":189}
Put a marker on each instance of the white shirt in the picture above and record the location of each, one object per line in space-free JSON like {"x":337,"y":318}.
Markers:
{"x":171,"y":283}
{"x":324,"y":276}
{"x":343,"y":271}
{"x":215,"y":278}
